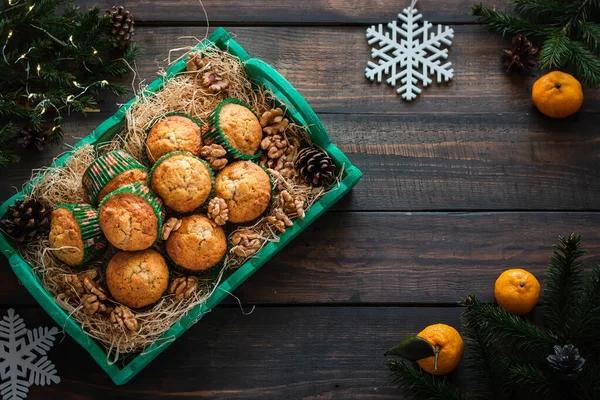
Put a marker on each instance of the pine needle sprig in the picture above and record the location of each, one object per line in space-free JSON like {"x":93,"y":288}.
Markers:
{"x":565,"y":31}
{"x":564,"y":281}
{"x":420,"y":385}
{"x":509,"y":329}
{"x":585,"y":318}
{"x":531,"y":378}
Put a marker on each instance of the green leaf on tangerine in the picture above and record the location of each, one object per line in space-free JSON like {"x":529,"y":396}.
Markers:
{"x":413,"y":348}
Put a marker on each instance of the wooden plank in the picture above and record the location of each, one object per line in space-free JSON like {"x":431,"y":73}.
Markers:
{"x":326,"y":65}
{"x":441,"y":162}
{"x":398,"y":258}
{"x":274,"y":353}
{"x":290,"y":12}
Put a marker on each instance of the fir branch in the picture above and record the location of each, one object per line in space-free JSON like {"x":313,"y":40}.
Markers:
{"x":506,"y":24}
{"x":7,"y":135}
{"x":586,"y":65}
{"x":510,"y":330}
{"x":589,"y":33}
{"x":585,"y":318}
{"x":420,"y":385}
{"x":531,"y":378}
{"x":485,"y":360}
{"x":555,"y":51}
{"x":542,"y":10}
{"x":563,"y":285}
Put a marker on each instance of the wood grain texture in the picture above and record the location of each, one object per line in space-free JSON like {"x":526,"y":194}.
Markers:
{"x":290,"y":12}
{"x":398,"y":258}
{"x":274,"y":353}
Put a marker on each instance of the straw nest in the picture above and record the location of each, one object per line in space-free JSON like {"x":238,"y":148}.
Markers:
{"x":56,"y":185}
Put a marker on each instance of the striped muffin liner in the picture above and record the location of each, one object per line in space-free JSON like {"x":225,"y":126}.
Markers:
{"x":145,"y":193}
{"x":104,"y":169}
{"x":216,"y":134}
{"x":89,"y":225}
{"x":158,"y":119}
{"x":186,"y":153}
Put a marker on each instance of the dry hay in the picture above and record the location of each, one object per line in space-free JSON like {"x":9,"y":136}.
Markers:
{"x":55,"y":185}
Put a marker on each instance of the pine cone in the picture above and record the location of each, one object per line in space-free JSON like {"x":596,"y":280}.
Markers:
{"x":122,"y":26}
{"x":566,"y":361}
{"x":522,"y":56}
{"x":26,"y":220}
{"x":31,"y":137}
{"x":315,"y":166}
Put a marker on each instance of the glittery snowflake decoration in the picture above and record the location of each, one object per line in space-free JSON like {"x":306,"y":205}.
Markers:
{"x":20,"y":348}
{"x":412,"y":57}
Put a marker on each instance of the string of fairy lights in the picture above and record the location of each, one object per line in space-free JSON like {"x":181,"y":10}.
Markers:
{"x":45,"y":103}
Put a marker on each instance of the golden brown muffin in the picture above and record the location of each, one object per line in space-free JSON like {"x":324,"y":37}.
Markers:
{"x":183,"y":181}
{"x":171,"y":134}
{"x":128,"y":221}
{"x":198,"y":245}
{"x":246,"y":188}
{"x":241,"y":128}
{"x":137,"y":279}
{"x":125,"y":178}
{"x":65,"y":231}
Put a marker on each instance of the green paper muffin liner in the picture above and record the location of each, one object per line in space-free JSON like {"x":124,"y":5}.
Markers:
{"x":186,"y":153}
{"x":89,"y":225}
{"x":216,"y":134}
{"x":158,"y":119}
{"x":145,"y":193}
{"x":104,"y":169}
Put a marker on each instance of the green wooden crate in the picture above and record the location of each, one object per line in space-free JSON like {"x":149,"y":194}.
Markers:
{"x":299,"y":111}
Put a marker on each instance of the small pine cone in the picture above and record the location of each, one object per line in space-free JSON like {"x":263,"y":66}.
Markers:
{"x":522,"y":56}
{"x":218,"y":211}
{"x":215,"y":155}
{"x":245,"y":242}
{"x":273,"y":122}
{"x":122,"y":26}
{"x":91,"y":305}
{"x":315,"y":166}
{"x":183,"y":287}
{"x":122,"y":317}
{"x":279,"y":220}
{"x":26,"y":220}
{"x":566,"y":361}
{"x":214,"y":83}
{"x":31,"y":137}
{"x":195,"y":61}
{"x":172,"y":225}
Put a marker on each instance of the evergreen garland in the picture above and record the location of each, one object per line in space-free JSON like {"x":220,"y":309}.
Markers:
{"x":566,"y":31}
{"x":54,"y":64}
{"x":509,"y":357}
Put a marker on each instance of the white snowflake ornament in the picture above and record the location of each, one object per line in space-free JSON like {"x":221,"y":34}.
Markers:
{"x":412,"y":57}
{"x":20,"y":348}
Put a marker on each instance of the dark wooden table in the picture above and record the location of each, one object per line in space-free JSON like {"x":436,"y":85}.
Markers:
{"x":465,"y":181}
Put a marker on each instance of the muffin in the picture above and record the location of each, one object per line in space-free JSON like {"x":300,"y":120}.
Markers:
{"x":137,"y":279}
{"x":198,"y":245}
{"x":183,"y":181}
{"x":76,"y":228}
{"x":235,"y":127}
{"x":246,"y":188}
{"x":173,"y":133}
{"x":111,"y":171}
{"x":131,"y":217}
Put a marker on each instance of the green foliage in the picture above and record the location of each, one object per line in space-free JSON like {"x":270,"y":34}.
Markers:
{"x":56,"y":60}
{"x":567,"y":33}
{"x":507,"y":356}
{"x":420,"y":385}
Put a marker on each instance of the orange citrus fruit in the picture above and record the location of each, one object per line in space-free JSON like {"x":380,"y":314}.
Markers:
{"x":447,"y":341}
{"x":517,"y":291}
{"x":557,"y":94}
